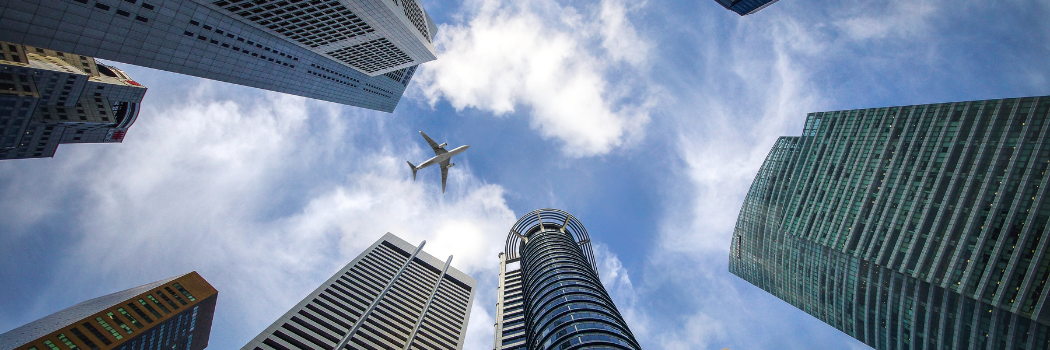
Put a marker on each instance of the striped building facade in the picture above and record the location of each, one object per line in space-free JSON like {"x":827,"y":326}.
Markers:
{"x":914,"y":227}
{"x":549,"y":295}
{"x":393,"y":296}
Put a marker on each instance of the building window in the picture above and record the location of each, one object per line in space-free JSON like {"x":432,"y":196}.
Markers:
{"x":150,"y":309}
{"x":105,"y":325}
{"x":184,"y":292}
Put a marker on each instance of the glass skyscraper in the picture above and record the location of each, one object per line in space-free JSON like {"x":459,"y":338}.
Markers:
{"x":392,"y":296}
{"x":549,"y":294}
{"x":356,"y":52}
{"x":173,"y":313}
{"x":915,"y":227}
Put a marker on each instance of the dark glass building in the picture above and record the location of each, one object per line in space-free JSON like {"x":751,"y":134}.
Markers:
{"x":549,"y":294}
{"x":915,"y":227}
{"x":173,"y":313}
{"x":745,"y":7}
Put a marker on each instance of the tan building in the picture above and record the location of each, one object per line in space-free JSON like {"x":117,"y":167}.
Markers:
{"x":174,"y":313}
{"x":48,"y":98}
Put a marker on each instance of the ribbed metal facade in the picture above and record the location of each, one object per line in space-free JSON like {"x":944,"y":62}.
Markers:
{"x":393,"y":296}
{"x":915,"y":227}
{"x":555,"y":300}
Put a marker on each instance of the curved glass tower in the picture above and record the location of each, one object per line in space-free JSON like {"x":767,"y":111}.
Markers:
{"x":550,"y":296}
{"x":911,"y":227}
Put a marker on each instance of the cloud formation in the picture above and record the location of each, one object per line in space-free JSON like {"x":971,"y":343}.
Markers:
{"x":259,"y":200}
{"x":563,"y":64}
{"x":888,"y":20}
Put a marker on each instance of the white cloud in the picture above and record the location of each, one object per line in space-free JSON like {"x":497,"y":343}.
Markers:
{"x":725,"y":123}
{"x":699,"y":331}
{"x":258,"y":201}
{"x":888,"y":20}
{"x":619,"y":37}
{"x":545,"y":57}
{"x":771,"y":96}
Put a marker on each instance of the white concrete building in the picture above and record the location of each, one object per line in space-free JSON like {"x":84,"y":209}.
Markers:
{"x":392,"y":296}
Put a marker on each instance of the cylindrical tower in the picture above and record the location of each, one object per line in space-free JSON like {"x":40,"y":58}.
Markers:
{"x":565,"y":304}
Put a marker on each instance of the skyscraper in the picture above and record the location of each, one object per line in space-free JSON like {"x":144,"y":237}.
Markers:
{"x":745,"y":7}
{"x":173,"y":313}
{"x":915,"y":227}
{"x":392,"y":296}
{"x":549,"y":294}
{"x":356,"y":52}
{"x":49,"y":97}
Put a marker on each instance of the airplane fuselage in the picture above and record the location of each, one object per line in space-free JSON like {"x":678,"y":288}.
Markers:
{"x":442,"y":157}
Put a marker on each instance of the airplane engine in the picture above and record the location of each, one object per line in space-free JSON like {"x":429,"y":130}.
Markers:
{"x":451,"y":165}
{"x":443,"y":144}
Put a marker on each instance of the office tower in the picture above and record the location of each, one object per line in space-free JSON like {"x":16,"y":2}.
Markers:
{"x":173,"y":313}
{"x":549,"y":294}
{"x":745,"y":7}
{"x":915,"y":227}
{"x":49,"y":97}
{"x":356,"y":52}
{"x":392,"y":296}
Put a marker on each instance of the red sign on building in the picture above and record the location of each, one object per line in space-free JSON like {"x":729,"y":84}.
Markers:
{"x":118,"y":136}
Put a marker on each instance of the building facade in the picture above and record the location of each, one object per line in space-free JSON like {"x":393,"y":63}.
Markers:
{"x":549,"y":294}
{"x":49,"y":98}
{"x":745,"y":7}
{"x":392,"y":296}
{"x":174,"y":313}
{"x":915,"y":227}
{"x":356,"y":52}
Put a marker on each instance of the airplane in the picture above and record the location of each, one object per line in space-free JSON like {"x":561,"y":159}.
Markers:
{"x":441,"y":157}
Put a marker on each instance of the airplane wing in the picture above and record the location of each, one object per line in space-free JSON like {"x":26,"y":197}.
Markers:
{"x":444,"y":174}
{"x":437,"y":149}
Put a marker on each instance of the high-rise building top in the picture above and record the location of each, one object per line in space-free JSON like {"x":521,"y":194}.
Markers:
{"x":49,"y":97}
{"x":356,"y":52}
{"x":745,"y":7}
{"x":392,"y":296}
{"x":549,"y":294}
{"x":173,"y":313}
{"x":909,"y":227}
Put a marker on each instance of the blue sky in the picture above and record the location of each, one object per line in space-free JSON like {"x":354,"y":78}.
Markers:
{"x":645,"y":119}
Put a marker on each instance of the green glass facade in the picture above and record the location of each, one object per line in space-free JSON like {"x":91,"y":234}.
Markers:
{"x":915,"y":227}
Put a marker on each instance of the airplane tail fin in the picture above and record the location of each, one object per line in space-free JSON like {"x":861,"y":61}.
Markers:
{"x":413,"y":167}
